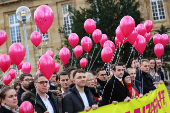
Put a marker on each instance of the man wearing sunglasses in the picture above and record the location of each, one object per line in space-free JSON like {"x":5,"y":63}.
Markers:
{"x":25,"y":79}
{"x":43,"y":100}
{"x":101,"y":79}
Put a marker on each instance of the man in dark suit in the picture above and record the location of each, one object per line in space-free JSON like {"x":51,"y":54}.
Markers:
{"x":146,"y":77}
{"x":116,"y":89}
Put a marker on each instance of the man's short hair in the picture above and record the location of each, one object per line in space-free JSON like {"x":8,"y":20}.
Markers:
{"x":22,"y":76}
{"x":54,"y":73}
{"x":144,"y":60}
{"x":69,"y":69}
{"x":132,"y":59}
{"x":62,"y":73}
{"x":99,"y":69}
{"x":157,"y":59}
{"x":93,"y":72}
{"x":78,"y":71}
{"x":117,"y":64}
{"x":130,"y":69}
{"x":38,"y":76}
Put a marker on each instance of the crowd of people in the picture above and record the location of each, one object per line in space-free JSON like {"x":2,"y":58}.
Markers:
{"x":74,"y":90}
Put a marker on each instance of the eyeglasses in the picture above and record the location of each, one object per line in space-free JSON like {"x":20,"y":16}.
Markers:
{"x":43,"y":82}
{"x":91,"y":80}
{"x":103,"y":74}
{"x":64,"y":80}
{"x":28,"y":80}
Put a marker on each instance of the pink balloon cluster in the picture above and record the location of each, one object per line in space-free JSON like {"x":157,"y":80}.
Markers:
{"x":160,"y":42}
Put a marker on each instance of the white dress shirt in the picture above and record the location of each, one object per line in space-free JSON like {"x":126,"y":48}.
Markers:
{"x":47,"y":104}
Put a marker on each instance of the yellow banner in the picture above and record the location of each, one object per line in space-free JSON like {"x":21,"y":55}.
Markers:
{"x":157,"y":102}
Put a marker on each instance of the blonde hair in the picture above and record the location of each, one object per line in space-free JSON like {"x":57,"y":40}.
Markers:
{"x":88,"y":75}
{"x":129,"y":69}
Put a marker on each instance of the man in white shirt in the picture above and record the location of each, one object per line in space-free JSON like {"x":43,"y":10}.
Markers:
{"x":43,"y":100}
{"x":79,"y":97}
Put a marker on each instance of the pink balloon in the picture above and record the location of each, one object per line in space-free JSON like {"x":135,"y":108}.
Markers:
{"x":97,"y":35}
{"x":26,"y":67}
{"x":17,"y":53}
{"x":5,"y":62}
{"x":57,"y":67}
{"x":64,"y":55}
{"x":43,"y":18}
{"x":20,"y":65}
{"x":110,"y":44}
{"x":127,"y":25}
{"x":148,"y":25}
{"x":132,"y":37}
{"x":12,"y":62}
{"x":157,"y":38}
{"x":36,"y":38}
{"x":73,"y":39}
{"x":159,"y":50}
{"x":26,"y":107}
{"x":46,"y":66}
{"x":141,"y":29}
{"x":49,"y":52}
{"x":106,"y":54}
{"x":89,"y":26}
{"x":83,"y":62}
{"x":38,"y":72}
{"x":140,"y":44}
{"x":165,"y":39}
{"x":3,"y":37}
{"x":78,"y":50}
{"x":103,"y":39}
{"x":117,"y":42}
{"x":147,"y":36}
{"x":119,"y":35}
{"x":7,"y":79}
{"x":12,"y":73}
{"x":86,"y":43}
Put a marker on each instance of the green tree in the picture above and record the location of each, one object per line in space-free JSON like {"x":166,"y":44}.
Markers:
{"x":107,"y":15}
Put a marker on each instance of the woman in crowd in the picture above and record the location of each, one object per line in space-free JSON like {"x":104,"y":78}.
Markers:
{"x":152,"y":70}
{"x":90,"y":82}
{"x":17,"y":86}
{"x":133,"y":93}
{"x":8,"y":97}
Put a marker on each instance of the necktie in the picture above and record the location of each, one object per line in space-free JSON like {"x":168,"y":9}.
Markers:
{"x":122,"y":82}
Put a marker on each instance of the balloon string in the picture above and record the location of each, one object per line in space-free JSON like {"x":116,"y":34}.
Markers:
{"x":92,"y":57}
{"x":87,"y":57}
{"x":75,"y":62}
{"x":118,"y":54}
{"x":42,"y":44}
{"x":129,"y":56}
{"x":72,"y":58}
{"x":114,"y":55}
{"x":95,"y":58}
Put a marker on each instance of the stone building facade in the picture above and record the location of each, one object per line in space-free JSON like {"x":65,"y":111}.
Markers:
{"x":156,"y":10}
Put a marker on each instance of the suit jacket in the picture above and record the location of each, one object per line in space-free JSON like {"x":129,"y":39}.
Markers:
{"x":118,"y":93}
{"x":147,"y":83}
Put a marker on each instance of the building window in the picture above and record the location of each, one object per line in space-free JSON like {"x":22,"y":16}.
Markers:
{"x":14,"y":29}
{"x":45,"y":37}
{"x":158,"y":11}
{"x":67,"y":18}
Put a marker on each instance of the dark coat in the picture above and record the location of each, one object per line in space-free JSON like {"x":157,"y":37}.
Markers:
{"x":118,"y":93}
{"x":162,"y":75}
{"x":73,"y":103}
{"x":147,"y":83}
{"x":138,"y":74}
{"x":40,"y":107}
{"x":137,"y":86}
{"x":19,"y":94}
{"x":100,"y":86}
{"x":4,"y":110}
